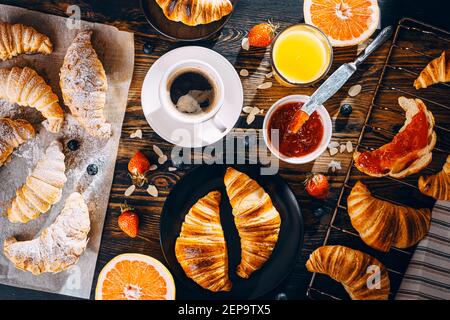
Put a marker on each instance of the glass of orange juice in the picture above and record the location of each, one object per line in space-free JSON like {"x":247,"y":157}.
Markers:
{"x":301,"y":55}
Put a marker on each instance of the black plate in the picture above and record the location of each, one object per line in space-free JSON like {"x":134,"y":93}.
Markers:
{"x":177,"y":30}
{"x":197,"y":184}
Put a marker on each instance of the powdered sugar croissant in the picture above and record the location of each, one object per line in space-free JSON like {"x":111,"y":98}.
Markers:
{"x":201,"y":249}
{"x":18,"y":39}
{"x":26,"y":87}
{"x":12,"y":134}
{"x":436,"y":71}
{"x":84,"y":85}
{"x":43,"y":187}
{"x":195,"y":12}
{"x":382,"y":224}
{"x":257,"y":220}
{"x":438,"y":185}
{"x":354,"y":269}
{"x":59,"y":246}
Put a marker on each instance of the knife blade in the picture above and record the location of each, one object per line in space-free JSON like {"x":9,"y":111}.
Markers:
{"x":336,"y":81}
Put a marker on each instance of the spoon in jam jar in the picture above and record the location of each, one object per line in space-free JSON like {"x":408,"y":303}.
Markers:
{"x":335,"y":82}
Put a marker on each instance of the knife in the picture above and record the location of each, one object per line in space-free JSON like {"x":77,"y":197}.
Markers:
{"x":335,"y":82}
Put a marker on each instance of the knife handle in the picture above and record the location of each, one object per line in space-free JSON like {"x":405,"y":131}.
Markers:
{"x":385,"y":34}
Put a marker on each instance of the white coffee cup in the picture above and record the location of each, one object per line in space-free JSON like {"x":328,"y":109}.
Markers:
{"x":209,"y":73}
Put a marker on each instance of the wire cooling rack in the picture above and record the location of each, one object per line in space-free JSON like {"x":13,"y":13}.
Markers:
{"x":414,"y":45}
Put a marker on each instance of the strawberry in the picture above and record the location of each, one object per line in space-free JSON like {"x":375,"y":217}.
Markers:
{"x":138,"y":168}
{"x":129,"y":221}
{"x":262,"y":34}
{"x":317,"y":185}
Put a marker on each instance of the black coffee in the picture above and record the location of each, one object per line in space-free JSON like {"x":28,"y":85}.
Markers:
{"x":188,"y":81}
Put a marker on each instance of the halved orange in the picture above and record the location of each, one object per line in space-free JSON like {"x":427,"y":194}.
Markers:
{"x":345,"y":22}
{"x":134,"y":276}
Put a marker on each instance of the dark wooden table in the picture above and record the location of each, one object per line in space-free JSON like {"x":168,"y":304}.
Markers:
{"x":126,"y":15}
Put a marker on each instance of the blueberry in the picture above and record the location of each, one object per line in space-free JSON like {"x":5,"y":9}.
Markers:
{"x":346,"y":109}
{"x":319,"y":212}
{"x":281,"y":296}
{"x":73,"y":145}
{"x":92,"y":169}
{"x":148,"y":48}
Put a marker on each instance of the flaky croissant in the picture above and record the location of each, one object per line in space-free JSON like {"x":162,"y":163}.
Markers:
{"x":12,"y":134}
{"x":257,"y":220}
{"x":195,"y":12}
{"x":409,"y":151}
{"x":59,"y":246}
{"x":363,"y":277}
{"x":438,"y":185}
{"x":18,"y":39}
{"x":201,"y":248}
{"x":382,"y":224}
{"x":26,"y":87}
{"x":438,"y":70}
{"x":84,"y":85}
{"x":43,"y":187}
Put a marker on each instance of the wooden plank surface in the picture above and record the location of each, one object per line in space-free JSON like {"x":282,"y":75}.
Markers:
{"x":126,"y":15}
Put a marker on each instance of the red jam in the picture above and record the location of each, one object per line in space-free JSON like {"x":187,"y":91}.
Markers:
{"x":305,"y":141}
{"x":403,"y":148}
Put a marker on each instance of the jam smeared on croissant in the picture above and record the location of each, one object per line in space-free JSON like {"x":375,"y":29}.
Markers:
{"x":201,"y":248}
{"x":409,"y":151}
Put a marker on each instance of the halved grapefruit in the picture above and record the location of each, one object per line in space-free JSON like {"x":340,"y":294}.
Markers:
{"x":134,"y":276}
{"x":345,"y":22}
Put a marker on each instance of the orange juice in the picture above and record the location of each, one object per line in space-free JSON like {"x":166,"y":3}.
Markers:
{"x":301,"y":54}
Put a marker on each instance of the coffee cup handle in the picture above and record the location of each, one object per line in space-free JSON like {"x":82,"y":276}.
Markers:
{"x":219,"y":124}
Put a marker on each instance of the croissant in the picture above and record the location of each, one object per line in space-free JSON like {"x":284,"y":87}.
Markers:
{"x":12,"y":134}
{"x":436,"y":71}
{"x":382,"y":224}
{"x":195,"y":12}
{"x":438,"y":185}
{"x":257,"y":220}
{"x":27,"y":88}
{"x":59,"y":246}
{"x":83,"y":83}
{"x":411,"y":149}
{"x":363,"y":277}
{"x":201,"y":248}
{"x":42,"y":189}
{"x":18,"y":38}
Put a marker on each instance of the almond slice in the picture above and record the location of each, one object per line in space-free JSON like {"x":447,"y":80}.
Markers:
{"x":247,"y":109}
{"x":333,"y":144}
{"x":251,"y":117}
{"x":333,"y":151}
{"x":354,"y":90}
{"x":265,"y":85}
{"x":158,"y":151}
{"x":136,"y":134}
{"x":342,"y":148}
{"x":130,"y":190}
{"x":162,"y":160}
{"x":349,"y":146}
{"x":244,"y":73}
{"x":172,"y":169}
{"x":245,"y":44}
{"x":269,"y":75}
{"x":152,"y":190}
{"x":153,"y":167}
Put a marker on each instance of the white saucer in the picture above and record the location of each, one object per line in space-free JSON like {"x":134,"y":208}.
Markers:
{"x":185,"y":134}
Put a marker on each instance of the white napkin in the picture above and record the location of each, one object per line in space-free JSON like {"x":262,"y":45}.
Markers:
{"x":428,"y":274}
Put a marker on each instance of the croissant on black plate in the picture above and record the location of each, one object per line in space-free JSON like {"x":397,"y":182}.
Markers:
{"x":257,"y":221}
{"x":201,"y":248}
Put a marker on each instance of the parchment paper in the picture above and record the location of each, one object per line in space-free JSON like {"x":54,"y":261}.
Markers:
{"x":116,"y":51}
